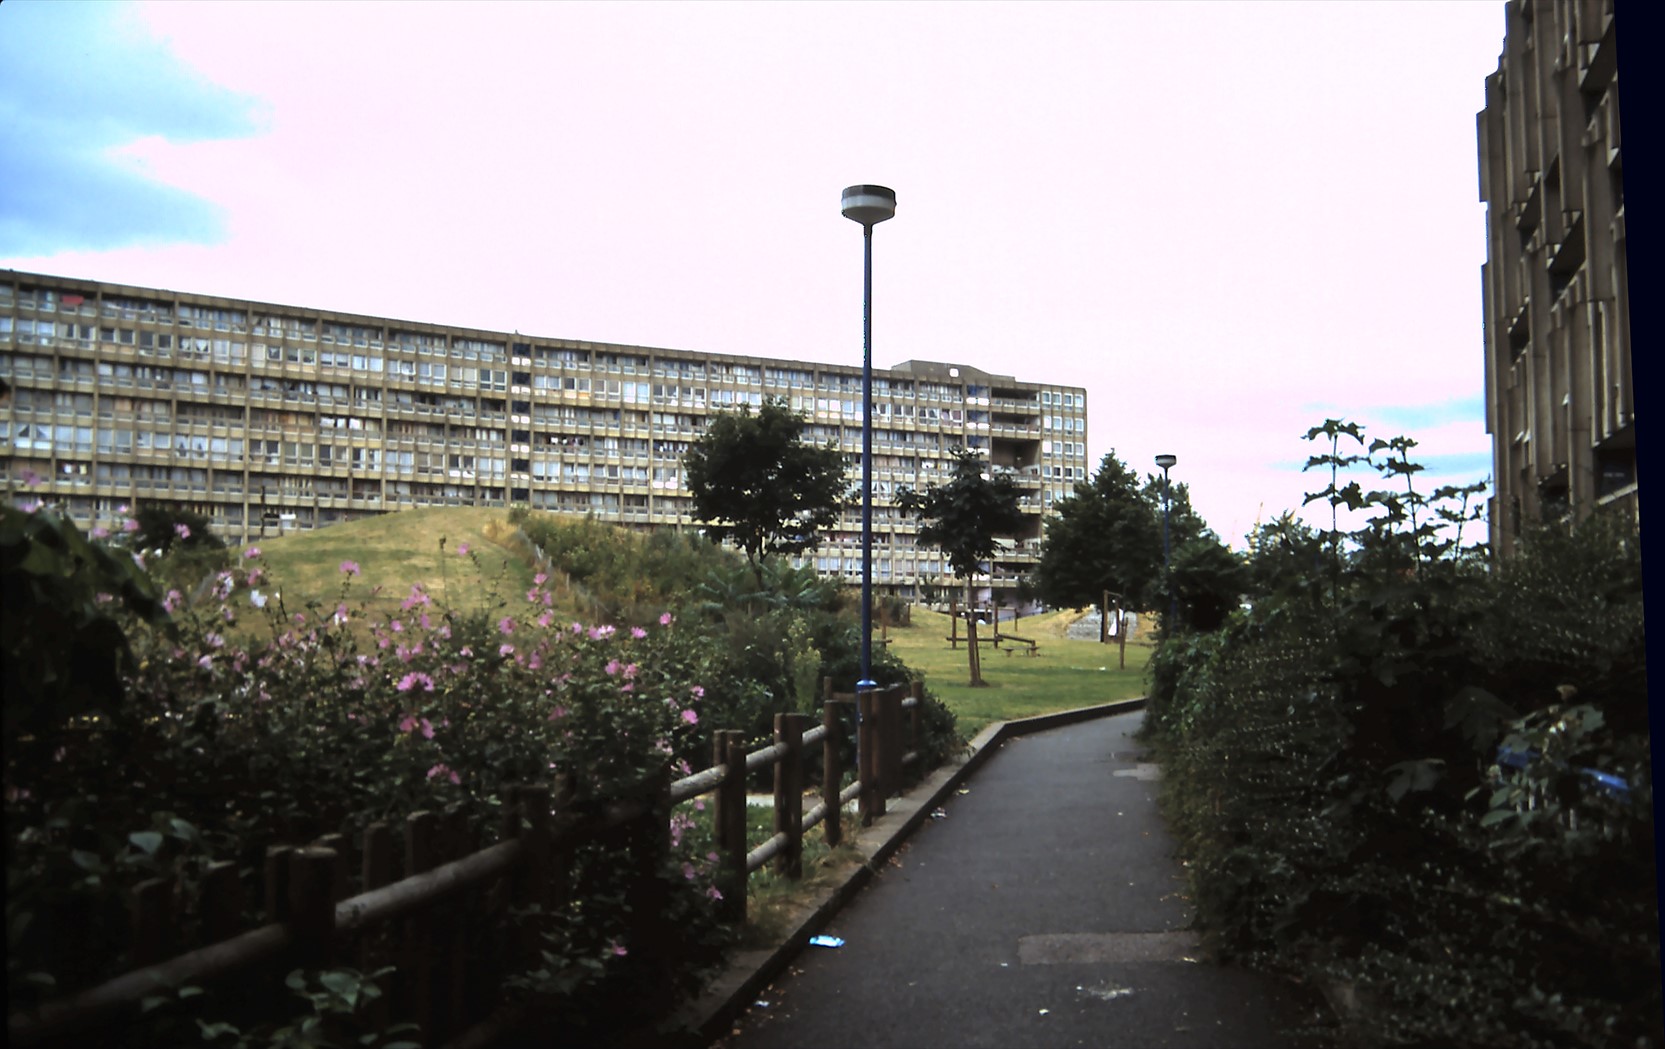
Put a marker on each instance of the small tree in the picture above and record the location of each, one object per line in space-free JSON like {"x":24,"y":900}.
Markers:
{"x":1107,"y":536}
{"x":962,"y":518}
{"x":759,"y":486}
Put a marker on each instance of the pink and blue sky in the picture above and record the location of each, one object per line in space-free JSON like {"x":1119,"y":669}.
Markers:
{"x":1228,"y":221}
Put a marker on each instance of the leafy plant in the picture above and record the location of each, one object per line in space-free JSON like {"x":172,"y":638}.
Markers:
{"x":757,"y":484}
{"x":1424,"y":786}
{"x":962,"y":517}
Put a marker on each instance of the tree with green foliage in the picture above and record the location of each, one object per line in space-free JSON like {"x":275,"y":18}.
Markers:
{"x":1107,"y":536}
{"x":757,"y":484}
{"x":962,"y":518}
{"x":63,"y":633}
{"x":166,"y":526}
{"x":1423,"y":776}
{"x":1207,"y":582}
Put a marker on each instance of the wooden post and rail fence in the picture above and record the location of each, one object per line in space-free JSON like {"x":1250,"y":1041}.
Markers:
{"x":413,"y":922}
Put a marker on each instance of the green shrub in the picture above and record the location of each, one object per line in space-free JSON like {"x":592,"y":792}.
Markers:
{"x":1333,"y":774}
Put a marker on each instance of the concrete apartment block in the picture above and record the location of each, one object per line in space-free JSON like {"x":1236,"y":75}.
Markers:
{"x":271,"y":419}
{"x":1560,"y":403}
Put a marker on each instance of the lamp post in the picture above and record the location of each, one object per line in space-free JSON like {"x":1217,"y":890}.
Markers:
{"x":868,"y":205}
{"x":1167,"y":461}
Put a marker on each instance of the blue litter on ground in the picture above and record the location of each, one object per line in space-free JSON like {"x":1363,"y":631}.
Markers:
{"x":825,"y":941}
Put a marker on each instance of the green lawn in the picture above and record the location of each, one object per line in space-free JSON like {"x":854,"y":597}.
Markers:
{"x":394,"y":551}
{"x":1063,"y":675}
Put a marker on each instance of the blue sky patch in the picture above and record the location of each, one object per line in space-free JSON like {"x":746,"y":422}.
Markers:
{"x":79,"y":79}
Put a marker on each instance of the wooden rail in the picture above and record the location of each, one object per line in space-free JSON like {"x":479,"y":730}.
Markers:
{"x":310,"y":919}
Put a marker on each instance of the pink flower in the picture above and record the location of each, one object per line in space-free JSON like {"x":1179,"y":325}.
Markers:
{"x":619,"y":950}
{"x":215,"y":641}
{"x":667,"y":619}
{"x":698,"y":692}
{"x":545,"y":619}
{"x":505,"y":649}
{"x":130,"y":525}
{"x":638,"y":633}
{"x":599,"y":632}
{"x":714,"y":893}
{"x":506,"y":625}
{"x":100,"y":532}
{"x":205,"y":662}
{"x":462,"y":549}
{"x":398,"y":627}
{"x":349,"y":567}
{"x":690,"y":717}
{"x":182,"y":530}
{"x":631,"y":671}
{"x":466,"y":650}
{"x":558,"y":713}
{"x":30,"y":477}
{"x":172,"y":601}
{"x":612,"y":667}
{"x":251,"y":553}
{"x":688,"y":871}
{"x":540,"y":579}
{"x":442,"y":770}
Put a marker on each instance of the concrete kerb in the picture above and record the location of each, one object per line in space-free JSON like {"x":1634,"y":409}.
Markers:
{"x":713,"y":1014}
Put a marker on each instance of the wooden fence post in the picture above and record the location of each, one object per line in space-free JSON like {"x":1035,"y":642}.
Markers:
{"x":832,"y":771}
{"x":222,"y":902}
{"x":789,"y":792}
{"x":731,"y":824}
{"x":312,"y":903}
{"x":337,"y":842}
{"x":891,"y":730}
{"x":152,"y":921}
{"x":916,"y":728}
{"x":376,"y":870}
{"x":420,"y":833}
{"x":277,"y":882}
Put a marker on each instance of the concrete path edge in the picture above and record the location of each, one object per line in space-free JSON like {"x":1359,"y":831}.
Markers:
{"x":713,"y":1013}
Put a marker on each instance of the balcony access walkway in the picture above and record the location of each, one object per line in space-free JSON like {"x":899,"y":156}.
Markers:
{"x":1044,"y":906}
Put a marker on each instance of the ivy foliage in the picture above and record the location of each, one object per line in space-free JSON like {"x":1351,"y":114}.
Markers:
{"x":1418,"y":779}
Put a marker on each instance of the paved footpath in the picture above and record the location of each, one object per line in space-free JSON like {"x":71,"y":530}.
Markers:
{"x":1044,"y":908}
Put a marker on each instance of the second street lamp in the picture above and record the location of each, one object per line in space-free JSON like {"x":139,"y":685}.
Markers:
{"x":1167,"y":461}
{"x":868,"y":205}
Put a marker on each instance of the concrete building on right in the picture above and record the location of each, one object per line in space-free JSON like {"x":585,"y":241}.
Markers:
{"x":1560,"y":402}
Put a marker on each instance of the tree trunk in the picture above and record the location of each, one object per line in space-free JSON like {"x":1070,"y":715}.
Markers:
{"x":975,"y":657}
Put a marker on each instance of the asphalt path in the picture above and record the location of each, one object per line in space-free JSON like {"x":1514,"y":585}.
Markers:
{"x":1042,"y":906}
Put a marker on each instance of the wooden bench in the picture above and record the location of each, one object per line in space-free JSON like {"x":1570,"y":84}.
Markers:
{"x":1034,"y":645}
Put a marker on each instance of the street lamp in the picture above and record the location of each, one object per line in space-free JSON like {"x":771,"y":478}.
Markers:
{"x":1166,"y":461}
{"x":868,"y":205}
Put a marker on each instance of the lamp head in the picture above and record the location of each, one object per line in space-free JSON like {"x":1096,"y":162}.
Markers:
{"x":869,"y":205}
{"x":1166,"y":461}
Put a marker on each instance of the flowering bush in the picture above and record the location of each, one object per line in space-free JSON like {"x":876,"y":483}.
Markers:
{"x":240,"y":722}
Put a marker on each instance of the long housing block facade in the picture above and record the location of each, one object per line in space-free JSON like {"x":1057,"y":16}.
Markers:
{"x":270,"y":419}
{"x":1560,"y":402}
